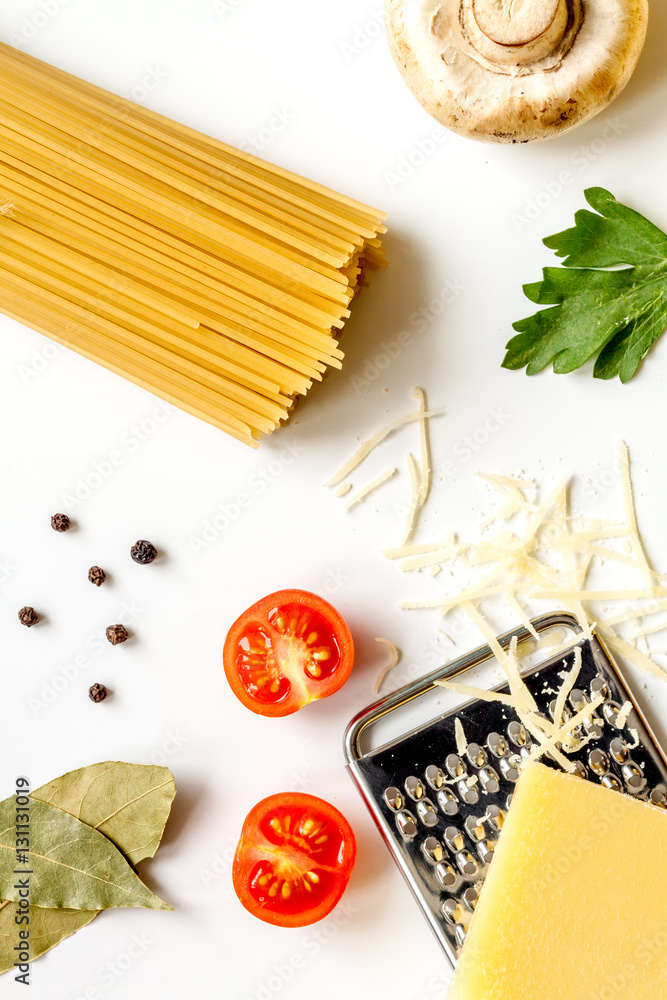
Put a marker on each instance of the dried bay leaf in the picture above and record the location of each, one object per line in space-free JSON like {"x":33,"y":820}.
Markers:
{"x":128,"y":803}
{"x":134,"y":823}
{"x":47,"y":929}
{"x":74,"y":866}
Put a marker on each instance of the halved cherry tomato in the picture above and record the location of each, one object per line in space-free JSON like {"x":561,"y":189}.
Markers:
{"x":287,"y":650}
{"x":294,"y":859}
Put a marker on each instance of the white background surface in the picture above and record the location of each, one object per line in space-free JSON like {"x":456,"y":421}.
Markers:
{"x":458,"y":221}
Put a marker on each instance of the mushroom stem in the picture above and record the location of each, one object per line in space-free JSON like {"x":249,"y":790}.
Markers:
{"x":515,"y":32}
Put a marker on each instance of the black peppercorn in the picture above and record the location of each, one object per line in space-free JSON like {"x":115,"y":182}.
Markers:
{"x":96,"y":575}
{"x":98,"y":693}
{"x":143,"y":552}
{"x":28,"y":617}
{"x":61,"y":522}
{"x":116,"y":634}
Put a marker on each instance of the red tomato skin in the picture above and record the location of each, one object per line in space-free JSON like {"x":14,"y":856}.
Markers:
{"x":258,"y":613}
{"x":252,"y":843}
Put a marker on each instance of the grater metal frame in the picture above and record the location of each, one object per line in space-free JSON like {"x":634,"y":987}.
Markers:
{"x":356,"y":757}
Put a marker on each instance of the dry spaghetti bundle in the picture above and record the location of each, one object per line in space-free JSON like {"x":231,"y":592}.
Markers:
{"x":213,"y":279}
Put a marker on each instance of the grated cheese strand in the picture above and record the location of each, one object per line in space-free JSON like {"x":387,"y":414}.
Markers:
{"x":521,"y":614}
{"x":343,"y":489}
{"x":624,"y":715}
{"x":633,"y":655}
{"x":369,"y":488}
{"x":461,"y":741}
{"x":524,"y":699}
{"x":394,"y":659}
{"x":414,"y":500}
{"x":417,"y":550}
{"x":432,"y":559}
{"x":470,"y":691}
{"x":632,"y":614}
{"x":599,"y":595}
{"x":641,"y":633}
{"x":426,"y":472}
{"x":366,"y":447}
{"x":566,"y":687}
{"x":631,"y":515}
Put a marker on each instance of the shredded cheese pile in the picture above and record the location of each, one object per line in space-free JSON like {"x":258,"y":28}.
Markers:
{"x":530,"y":550}
{"x":550,"y":557}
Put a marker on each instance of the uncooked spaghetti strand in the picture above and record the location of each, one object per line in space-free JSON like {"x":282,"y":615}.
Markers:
{"x":174,"y":133}
{"x":115,"y":184}
{"x":212,"y":312}
{"x":120,"y":141}
{"x":77,"y":234}
{"x":313,"y":309}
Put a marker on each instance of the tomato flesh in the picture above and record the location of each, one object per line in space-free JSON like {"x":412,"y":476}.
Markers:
{"x":287,"y":650}
{"x":294,"y":859}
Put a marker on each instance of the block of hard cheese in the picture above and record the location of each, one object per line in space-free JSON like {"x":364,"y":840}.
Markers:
{"x":575,"y":904}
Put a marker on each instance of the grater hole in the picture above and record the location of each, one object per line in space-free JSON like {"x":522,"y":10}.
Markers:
{"x":497,"y":744}
{"x":407,"y":824}
{"x":448,"y":802}
{"x":619,"y":750}
{"x":599,"y":686}
{"x":659,"y":796}
{"x":394,"y":798}
{"x":598,"y":761}
{"x":467,"y":792}
{"x":455,"y":766}
{"x":470,"y":897}
{"x":433,"y":850}
{"x":495,"y":817}
{"x":489,"y":780}
{"x":446,"y":875}
{"x":509,"y":768}
{"x":466,"y":863}
{"x":414,"y":788}
{"x":434,"y":777}
{"x":454,"y":839}
{"x":578,"y":699}
{"x":485,"y":851}
{"x":635,"y":782}
{"x":476,"y":755}
{"x":611,"y":781}
{"x":450,"y":909}
{"x":518,"y":735}
{"x":427,"y":812}
{"x":474,"y":828}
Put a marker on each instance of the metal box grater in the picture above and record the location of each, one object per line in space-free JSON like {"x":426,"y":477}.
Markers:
{"x":441,"y":830}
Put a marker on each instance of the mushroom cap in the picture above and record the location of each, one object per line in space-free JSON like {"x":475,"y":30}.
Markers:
{"x":502,"y":71}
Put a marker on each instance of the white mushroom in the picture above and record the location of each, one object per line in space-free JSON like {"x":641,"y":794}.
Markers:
{"x":515,"y":70}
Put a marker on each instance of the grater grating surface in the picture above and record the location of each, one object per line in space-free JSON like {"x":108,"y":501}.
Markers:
{"x":441,"y":814}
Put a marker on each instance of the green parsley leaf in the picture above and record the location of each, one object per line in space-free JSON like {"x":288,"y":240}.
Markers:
{"x":614,"y":315}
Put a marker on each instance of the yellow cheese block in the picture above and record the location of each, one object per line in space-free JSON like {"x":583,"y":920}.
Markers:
{"x":575,"y":904}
